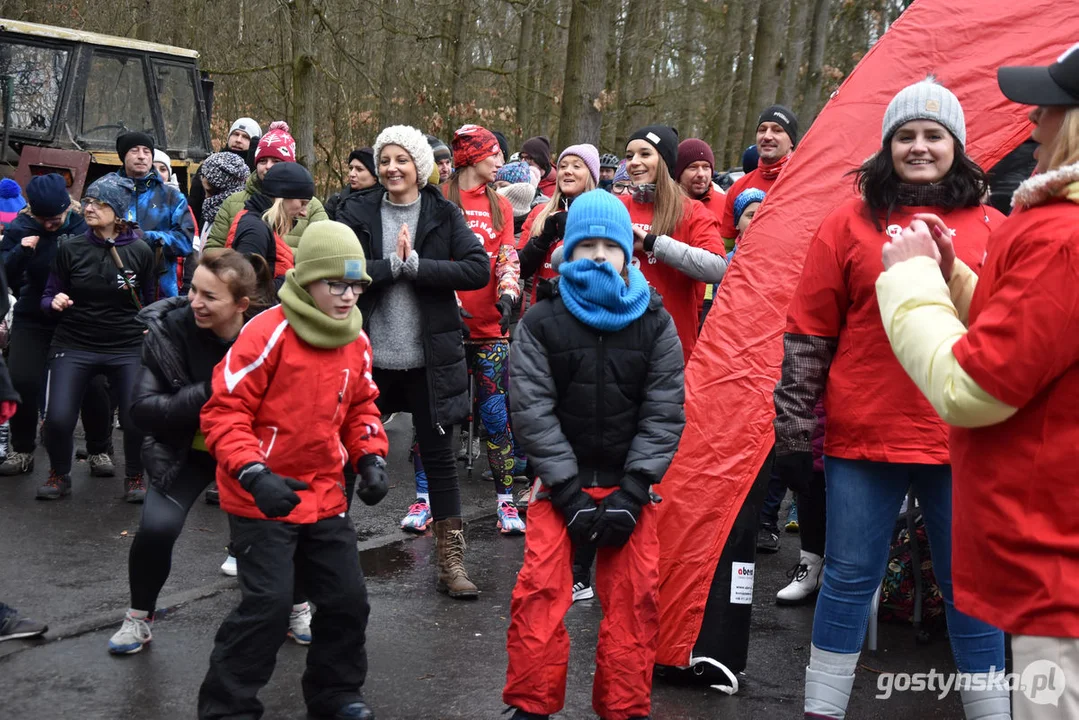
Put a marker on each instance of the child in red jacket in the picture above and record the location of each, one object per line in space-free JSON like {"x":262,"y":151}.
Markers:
{"x":293,"y":402}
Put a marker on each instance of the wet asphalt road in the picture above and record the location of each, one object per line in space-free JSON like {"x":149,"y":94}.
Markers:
{"x":431,"y":657}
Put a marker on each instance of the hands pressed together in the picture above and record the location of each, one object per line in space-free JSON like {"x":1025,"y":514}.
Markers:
{"x":928,"y":236}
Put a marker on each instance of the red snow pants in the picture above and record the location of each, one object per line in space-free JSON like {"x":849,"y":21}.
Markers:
{"x":627,"y":582}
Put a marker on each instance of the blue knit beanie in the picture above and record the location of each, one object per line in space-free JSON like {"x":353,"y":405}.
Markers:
{"x":598,"y":214}
{"x":513,"y":173}
{"x":11,"y":199}
{"x":744,"y":200}
{"x":48,"y":195}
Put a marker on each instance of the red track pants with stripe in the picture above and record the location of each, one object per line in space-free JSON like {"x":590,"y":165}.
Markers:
{"x":627,"y":582}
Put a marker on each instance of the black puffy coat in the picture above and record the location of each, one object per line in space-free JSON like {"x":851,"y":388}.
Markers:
{"x":28,"y":269}
{"x":451,"y":258}
{"x":605,"y":407}
{"x":172,"y":385}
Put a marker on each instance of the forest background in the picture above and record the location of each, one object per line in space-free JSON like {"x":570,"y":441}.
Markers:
{"x":575,"y":70}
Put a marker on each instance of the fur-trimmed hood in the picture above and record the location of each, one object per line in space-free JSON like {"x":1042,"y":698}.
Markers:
{"x":1040,"y":189}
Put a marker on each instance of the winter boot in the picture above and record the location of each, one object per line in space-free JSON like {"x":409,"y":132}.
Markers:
{"x":805,"y":580}
{"x":57,"y":486}
{"x":450,"y":546}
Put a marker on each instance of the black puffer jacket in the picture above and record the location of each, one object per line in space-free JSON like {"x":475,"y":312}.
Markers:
{"x":607,"y":408}
{"x":451,"y":258}
{"x":172,"y":385}
{"x":28,"y":269}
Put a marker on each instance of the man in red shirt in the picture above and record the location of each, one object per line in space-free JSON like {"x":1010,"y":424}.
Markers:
{"x":693,"y":171}
{"x":777,"y":134}
{"x":536,"y":151}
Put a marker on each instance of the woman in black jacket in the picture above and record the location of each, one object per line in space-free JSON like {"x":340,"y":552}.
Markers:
{"x":185,"y":339}
{"x":269,"y":216}
{"x":419,"y":251}
{"x":29,"y":246}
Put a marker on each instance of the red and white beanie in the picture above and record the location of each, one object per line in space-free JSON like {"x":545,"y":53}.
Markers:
{"x":277,"y":143}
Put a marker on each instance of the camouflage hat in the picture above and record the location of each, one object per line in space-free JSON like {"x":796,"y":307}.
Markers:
{"x":114,"y":191}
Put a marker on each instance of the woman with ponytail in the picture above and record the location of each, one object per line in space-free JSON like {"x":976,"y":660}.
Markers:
{"x":677,"y":242}
{"x":477,"y":158}
{"x":186,"y":337}
{"x":268,"y":217}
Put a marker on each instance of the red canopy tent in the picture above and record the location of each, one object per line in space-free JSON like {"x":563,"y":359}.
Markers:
{"x":736,"y":363}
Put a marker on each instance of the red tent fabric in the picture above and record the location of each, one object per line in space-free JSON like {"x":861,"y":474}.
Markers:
{"x":736,"y":364}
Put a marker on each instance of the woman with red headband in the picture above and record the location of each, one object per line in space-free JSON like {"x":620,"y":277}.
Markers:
{"x":476,"y":159}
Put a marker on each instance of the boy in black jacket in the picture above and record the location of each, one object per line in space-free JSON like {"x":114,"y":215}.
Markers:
{"x":597,"y":373}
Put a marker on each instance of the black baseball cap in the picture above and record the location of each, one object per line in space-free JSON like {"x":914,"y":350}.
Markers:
{"x":1057,"y":84}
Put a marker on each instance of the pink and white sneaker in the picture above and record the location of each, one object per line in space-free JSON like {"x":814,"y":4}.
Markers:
{"x":509,"y":522}
{"x":418,"y":518}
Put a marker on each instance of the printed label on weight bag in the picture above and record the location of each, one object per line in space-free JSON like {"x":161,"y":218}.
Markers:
{"x":741,"y":583}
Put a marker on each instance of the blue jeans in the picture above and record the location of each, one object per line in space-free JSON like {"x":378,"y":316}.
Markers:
{"x":863,"y":501}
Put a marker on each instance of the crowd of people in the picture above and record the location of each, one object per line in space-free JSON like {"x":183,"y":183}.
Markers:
{"x":251,"y":340}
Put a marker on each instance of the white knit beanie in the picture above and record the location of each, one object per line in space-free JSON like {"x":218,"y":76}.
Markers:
{"x":926,"y":100}
{"x":248,"y":126}
{"x":415,"y":144}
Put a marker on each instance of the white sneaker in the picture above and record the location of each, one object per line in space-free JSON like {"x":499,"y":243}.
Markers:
{"x":229,"y":566}
{"x":805,"y":580}
{"x":582,"y":591}
{"x":131,"y":637}
{"x":299,"y":624}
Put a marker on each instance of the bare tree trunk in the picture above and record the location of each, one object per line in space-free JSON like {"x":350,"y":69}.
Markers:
{"x":586,"y":73}
{"x":767,"y":55}
{"x":688,"y":100}
{"x":739,"y":111}
{"x":810,"y":95}
{"x":525,"y":99}
{"x":628,"y":64}
{"x":794,"y":53}
{"x":719,"y":76}
{"x":302,"y":27}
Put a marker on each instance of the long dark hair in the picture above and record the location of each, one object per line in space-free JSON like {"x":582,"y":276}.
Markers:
{"x":964,"y":185}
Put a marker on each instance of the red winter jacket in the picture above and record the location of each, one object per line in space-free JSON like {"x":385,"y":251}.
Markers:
{"x":301,"y":410}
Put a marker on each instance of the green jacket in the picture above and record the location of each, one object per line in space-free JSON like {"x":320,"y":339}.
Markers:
{"x":235,"y":203}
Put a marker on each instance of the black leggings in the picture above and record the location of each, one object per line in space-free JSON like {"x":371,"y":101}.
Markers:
{"x":70,"y":375}
{"x":163,"y":516}
{"x":27,"y":362}
{"x":407,"y":391}
{"x":811,"y":515}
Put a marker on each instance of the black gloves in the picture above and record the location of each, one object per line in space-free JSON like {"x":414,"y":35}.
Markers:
{"x":372,"y":485}
{"x":795,"y":470}
{"x":618,"y":513}
{"x":577,"y":507}
{"x":274,"y":495}
{"x":553,"y":229}
{"x":505,"y":306}
{"x":649,"y":242}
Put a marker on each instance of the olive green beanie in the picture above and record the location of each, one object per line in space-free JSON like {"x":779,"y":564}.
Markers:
{"x":329,"y":249}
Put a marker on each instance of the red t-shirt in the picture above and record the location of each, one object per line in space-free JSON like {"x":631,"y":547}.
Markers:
{"x":545,"y":272}
{"x":714,"y":201}
{"x":875,"y":411}
{"x":484,"y":323}
{"x":679,"y":291}
{"x":754,"y":179}
{"x":1015,"y":534}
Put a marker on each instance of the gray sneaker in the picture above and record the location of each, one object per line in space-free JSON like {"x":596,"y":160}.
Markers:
{"x":17,"y":463}
{"x":101,"y":465}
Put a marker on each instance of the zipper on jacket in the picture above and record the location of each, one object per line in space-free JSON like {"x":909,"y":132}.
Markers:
{"x":598,"y":448}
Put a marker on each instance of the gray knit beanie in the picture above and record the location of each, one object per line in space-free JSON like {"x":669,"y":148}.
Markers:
{"x":415,"y":144}
{"x":926,"y":100}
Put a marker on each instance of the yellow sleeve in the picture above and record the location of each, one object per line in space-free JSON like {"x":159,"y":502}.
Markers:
{"x":961,"y":288}
{"x":923,"y":325}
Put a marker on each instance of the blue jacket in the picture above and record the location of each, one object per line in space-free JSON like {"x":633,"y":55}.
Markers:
{"x":28,"y":270}
{"x":162,"y":214}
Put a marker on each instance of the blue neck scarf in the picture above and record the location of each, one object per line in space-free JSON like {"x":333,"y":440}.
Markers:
{"x":598,"y":296}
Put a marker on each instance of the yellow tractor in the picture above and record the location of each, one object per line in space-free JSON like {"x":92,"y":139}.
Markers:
{"x":68,"y":94}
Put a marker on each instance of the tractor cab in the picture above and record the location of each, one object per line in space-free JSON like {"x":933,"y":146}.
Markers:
{"x":68,"y":94}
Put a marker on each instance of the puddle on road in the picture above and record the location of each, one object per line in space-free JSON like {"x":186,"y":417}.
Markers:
{"x":412,"y":552}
